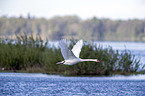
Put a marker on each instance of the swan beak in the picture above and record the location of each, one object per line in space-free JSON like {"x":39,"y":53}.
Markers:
{"x":98,"y":61}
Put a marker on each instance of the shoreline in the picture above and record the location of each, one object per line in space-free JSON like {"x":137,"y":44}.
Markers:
{"x":75,"y":75}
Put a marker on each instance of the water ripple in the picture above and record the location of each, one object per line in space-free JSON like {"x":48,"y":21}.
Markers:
{"x":22,"y":84}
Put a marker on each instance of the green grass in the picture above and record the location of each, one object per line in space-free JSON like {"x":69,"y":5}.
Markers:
{"x":35,"y":55}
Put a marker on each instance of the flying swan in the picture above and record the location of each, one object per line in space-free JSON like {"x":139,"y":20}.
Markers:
{"x":72,"y":56}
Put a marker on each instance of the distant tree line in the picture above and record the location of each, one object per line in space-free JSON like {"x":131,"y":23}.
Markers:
{"x":69,"y":27}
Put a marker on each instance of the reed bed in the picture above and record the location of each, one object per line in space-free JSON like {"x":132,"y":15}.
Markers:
{"x":28,"y":54}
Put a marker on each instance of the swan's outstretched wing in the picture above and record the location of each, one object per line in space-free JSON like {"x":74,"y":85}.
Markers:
{"x":66,"y":52}
{"x":77,"y":48}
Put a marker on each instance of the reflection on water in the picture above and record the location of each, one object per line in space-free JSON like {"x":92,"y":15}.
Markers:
{"x":23,"y":84}
{"x":40,"y":75}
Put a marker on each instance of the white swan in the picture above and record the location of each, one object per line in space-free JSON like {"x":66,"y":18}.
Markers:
{"x":72,"y":56}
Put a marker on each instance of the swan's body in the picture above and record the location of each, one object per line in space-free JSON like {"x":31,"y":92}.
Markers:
{"x":72,"y":56}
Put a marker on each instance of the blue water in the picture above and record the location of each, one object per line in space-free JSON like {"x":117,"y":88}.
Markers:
{"x":26,"y":84}
{"x":31,"y":84}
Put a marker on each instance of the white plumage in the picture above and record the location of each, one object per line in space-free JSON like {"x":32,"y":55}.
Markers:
{"x":72,"y":56}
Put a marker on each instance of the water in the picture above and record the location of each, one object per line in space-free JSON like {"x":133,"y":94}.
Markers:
{"x":136,"y":48}
{"x":26,"y":84}
{"x":31,"y":84}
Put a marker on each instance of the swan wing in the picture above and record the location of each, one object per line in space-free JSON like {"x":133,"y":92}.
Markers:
{"x":66,"y":52}
{"x":77,"y":48}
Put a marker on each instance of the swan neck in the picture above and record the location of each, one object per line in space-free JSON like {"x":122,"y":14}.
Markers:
{"x":89,"y":60}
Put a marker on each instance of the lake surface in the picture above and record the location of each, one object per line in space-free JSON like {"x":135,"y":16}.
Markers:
{"x":27,"y":84}
{"x":31,"y":84}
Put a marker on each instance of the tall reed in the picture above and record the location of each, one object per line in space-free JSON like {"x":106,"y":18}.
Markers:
{"x":30,"y":54}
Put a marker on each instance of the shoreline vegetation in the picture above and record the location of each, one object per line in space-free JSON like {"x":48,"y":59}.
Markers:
{"x":68,"y":27}
{"x":32,"y":55}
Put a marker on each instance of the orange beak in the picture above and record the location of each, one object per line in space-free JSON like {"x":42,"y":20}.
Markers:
{"x":98,"y":61}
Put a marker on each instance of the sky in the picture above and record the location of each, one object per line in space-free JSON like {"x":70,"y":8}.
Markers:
{"x":85,"y":9}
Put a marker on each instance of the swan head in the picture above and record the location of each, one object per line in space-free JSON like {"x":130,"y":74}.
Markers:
{"x":97,"y":60}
